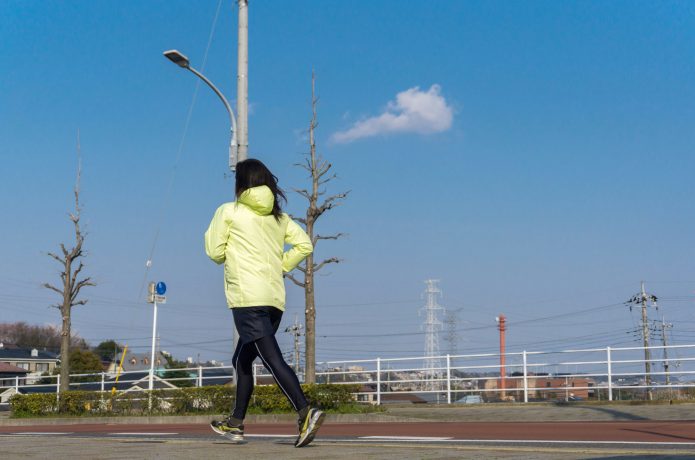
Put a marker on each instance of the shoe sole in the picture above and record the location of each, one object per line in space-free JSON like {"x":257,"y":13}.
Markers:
{"x":314,"y":426}
{"x":232,"y":437}
{"x":217,"y":430}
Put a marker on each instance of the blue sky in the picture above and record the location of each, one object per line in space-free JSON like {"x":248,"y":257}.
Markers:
{"x":542,"y":167}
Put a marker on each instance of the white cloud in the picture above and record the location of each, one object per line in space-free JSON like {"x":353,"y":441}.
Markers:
{"x":413,"y":111}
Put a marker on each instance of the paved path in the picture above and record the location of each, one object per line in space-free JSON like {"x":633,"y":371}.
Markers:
{"x":680,"y":432}
{"x":503,"y":440}
{"x":489,"y":431}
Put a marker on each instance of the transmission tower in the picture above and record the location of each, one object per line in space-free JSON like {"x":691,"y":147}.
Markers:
{"x":432,"y":326}
{"x":644,"y":300}
{"x":451,"y":325}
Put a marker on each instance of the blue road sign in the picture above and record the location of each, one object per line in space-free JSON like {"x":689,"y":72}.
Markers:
{"x":161,"y":288}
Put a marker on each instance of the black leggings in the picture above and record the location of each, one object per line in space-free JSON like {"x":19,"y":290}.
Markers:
{"x":268,"y":350}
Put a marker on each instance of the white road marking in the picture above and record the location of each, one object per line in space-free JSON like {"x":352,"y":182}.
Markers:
{"x":510,"y":441}
{"x":141,"y":434}
{"x":641,"y":443}
{"x":406,"y":438}
{"x":270,"y":435}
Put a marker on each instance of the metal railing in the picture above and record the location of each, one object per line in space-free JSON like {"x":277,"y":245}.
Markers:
{"x":596,"y":373}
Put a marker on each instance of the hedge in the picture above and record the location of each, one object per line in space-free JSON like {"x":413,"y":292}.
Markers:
{"x":205,"y":400}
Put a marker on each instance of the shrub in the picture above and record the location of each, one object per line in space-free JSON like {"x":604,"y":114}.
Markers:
{"x":205,"y":400}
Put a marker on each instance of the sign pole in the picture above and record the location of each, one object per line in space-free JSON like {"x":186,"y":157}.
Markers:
{"x":156,"y":295}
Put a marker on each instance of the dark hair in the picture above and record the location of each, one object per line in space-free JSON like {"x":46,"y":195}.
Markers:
{"x":253,"y":173}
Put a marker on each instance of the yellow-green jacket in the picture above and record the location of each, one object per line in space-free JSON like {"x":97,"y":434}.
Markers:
{"x":250,"y":241}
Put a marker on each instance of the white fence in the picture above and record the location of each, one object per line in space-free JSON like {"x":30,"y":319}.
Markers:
{"x":598,"y":373}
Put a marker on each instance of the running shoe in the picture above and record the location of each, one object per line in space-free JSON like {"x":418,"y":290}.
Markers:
{"x":233,"y":432}
{"x":309,"y":426}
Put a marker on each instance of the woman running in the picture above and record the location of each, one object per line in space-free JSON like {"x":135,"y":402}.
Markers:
{"x":249,"y":236}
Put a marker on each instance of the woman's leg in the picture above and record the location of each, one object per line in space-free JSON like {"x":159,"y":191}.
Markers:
{"x":268,"y":350}
{"x":242,"y":360}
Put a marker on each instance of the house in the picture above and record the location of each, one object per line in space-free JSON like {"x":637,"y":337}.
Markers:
{"x":12,"y":375}
{"x":34,"y":361}
{"x":138,"y":362}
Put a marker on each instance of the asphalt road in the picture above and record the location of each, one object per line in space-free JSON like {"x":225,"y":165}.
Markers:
{"x":433,"y":440}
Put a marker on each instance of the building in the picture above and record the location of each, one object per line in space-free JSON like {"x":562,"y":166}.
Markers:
{"x":35,"y":362}
{"x":544,"y":387}
{"x":138,"y":362}
{"x":12,"y":375}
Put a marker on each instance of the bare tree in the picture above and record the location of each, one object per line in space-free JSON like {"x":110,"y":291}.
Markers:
{"x":71,"y":266}
{"x":46,"y":337}
{"x":320,"y":173}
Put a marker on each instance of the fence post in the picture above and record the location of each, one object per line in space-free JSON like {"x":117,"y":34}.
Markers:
{"x":523,"y":354}
{"x":58,"y":388}
{"x":16,"y":383}
{"x":253,"y":367}
{"x":102,"y":382}
{"x":378,"y":381}
{"x":200,"y":376}
{"x":610,"y":374}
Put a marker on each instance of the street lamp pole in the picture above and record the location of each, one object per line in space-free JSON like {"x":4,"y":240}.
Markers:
{"x":242,"y":79}
{"x":182,"y":61}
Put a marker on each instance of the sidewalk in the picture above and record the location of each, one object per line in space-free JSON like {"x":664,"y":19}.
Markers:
{"x":422,"y":413}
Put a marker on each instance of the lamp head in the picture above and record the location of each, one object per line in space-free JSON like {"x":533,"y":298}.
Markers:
{"x":177,"y":58}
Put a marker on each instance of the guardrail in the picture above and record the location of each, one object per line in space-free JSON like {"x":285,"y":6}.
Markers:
{"x":596,"y":373}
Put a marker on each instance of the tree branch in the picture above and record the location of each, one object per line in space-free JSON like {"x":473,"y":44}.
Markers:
{"x":294,"y":280}
{"x":62,"y":261}
{"x":83,"y":283}
{"x":52,"y":288}
{"x":303,"y":192}
{"x":332,"y":260}
{"x":324,"y":181}
{"x":331,"y":202}
{"x":75,"y":273}
{"x":328,"y":237}
{"x":322,"y":168}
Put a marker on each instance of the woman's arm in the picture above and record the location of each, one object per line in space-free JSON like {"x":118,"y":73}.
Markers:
{"x":301,"y":246}
{"x":216,"y":236}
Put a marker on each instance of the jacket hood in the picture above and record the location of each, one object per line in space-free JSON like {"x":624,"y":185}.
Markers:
{"x":260,"y":199}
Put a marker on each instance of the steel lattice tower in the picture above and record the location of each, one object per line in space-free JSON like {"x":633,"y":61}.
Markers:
{"x":432,"y":326}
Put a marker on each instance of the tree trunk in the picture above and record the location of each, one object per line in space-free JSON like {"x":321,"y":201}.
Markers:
{"x":310,"y":319}
{"x":65,"y":351}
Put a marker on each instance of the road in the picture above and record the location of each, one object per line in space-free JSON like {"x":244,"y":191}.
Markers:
{"x":670,"y":439}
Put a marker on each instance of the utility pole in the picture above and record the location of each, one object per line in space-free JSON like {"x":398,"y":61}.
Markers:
{"x":243,"y":81}
{"x":502,"y":326}
{"x":664,"y":326}
{"x":643,"y":300}
{"x":296,"y":331}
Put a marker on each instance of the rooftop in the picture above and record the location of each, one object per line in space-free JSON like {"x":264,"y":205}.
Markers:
{"x":26,"y":353}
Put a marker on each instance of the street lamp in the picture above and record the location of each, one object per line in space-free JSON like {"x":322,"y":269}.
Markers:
{"x":182,"y":61}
